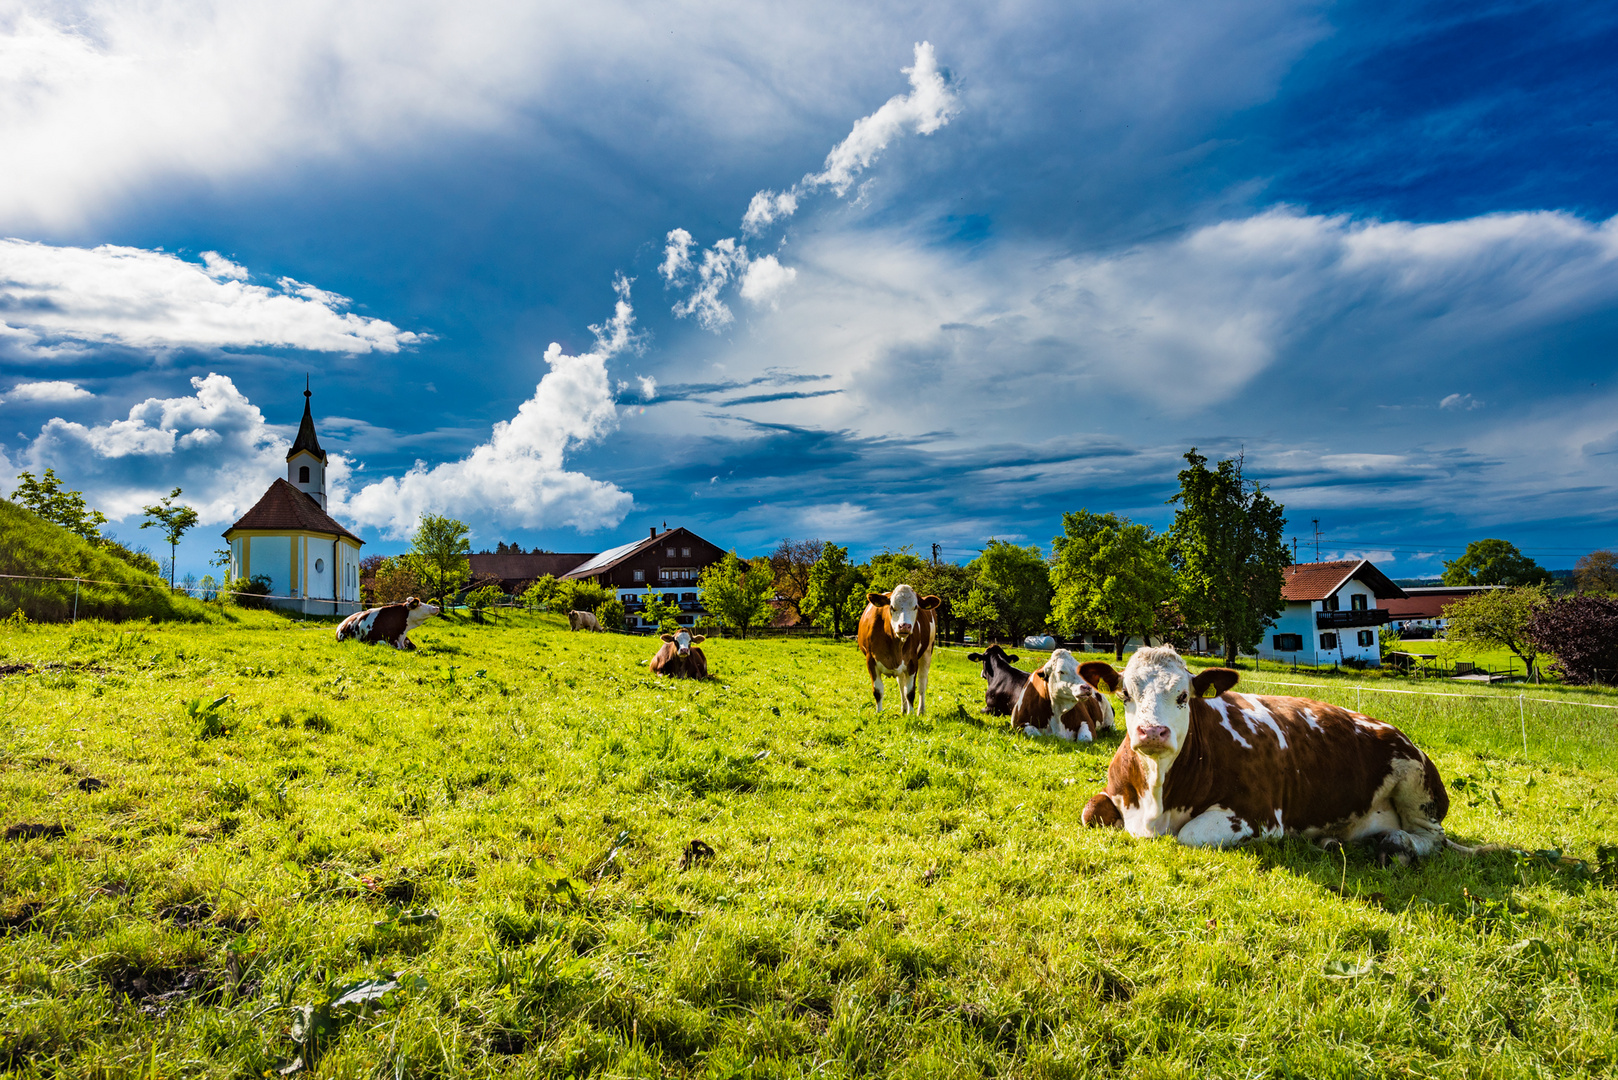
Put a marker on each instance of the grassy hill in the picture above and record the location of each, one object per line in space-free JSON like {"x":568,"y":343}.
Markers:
{"x":111,"y":589}
{"x":478,"y":860}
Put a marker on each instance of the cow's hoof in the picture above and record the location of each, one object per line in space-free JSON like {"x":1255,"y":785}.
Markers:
{"x":1394,"y":848}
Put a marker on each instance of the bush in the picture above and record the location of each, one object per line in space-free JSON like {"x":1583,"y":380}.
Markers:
{"x":610,"y":614}
{"x":480,"y":599}
{"x":1582,"y":633}
{"x":249,"y":592}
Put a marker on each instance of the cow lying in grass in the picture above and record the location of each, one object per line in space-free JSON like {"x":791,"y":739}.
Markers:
{"x":389,"y":624}
{"x":1218,"y":771}
{"x":1005,"y":682}
{"x":1057,"y":701}
{"x":679,"y":658}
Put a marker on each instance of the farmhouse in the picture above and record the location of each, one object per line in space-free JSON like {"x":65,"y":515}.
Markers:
{"x":516,"y":570}
{"x":665,"y":563}
{"x":312,"y":563}
{"x":1331,"y":614}
{"x":1422,"y":613}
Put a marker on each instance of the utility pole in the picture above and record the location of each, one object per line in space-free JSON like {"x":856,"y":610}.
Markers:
{"x":1316,"y":523}
{"x":1294,"y":551}
{"x":935,"y":552}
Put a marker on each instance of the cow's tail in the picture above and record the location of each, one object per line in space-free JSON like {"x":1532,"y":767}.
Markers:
{"x":1481,"y":849}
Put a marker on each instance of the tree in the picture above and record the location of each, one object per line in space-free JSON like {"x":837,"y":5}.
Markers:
{"x":45,"y":497}
{"x":480,"y":599}
{"x":791,"y":563}
{"x":738,"y":592}
{"x":1582,"y":633}
{"x":540,"y":593}
{"x":1110,"y":573}
{"x":439,"y":550}
{"x":664,"y":614}
{"x":1498,"y":619}
{"x":1597,"y":573}
{"x":393,"y":581}
{"x":174,"y":521}
{"x":1494,"y":562}
{"x":952,"y":584}
{"x":902,"y":567}
{"x":836,"y":593}
{"x":1016,"y":583}
{"x":1227,"y":551}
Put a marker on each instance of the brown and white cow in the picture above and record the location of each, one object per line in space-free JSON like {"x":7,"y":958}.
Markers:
{"x":1216,"y":771}
{"x":896,"y":633}
{"x":389,"y":624}
{"x":679,"y":658}
{"x":583,"y":620}
{"x":1057,"y":701}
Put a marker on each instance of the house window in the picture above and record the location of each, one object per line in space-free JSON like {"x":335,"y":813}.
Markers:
{"x":1357,"y":602}
{"x":685,"y":553}
{"x":670,"y":598}
{"x":1329,"y":604}
{"x":671,"y":553}
{"x":1367,"y":638}
{"x":303,"y":474}
{"x":688,"y":597}
{"x":1328,"y":641}
{"x":1288,"y":642}
{"x":640,"y":575}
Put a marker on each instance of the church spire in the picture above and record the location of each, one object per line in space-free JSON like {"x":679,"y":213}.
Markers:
{"x":306,"y":442}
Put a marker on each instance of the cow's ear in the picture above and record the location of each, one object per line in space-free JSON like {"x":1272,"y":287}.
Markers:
{"x":1219,"y":679}
{"x":668,"y":637}
{"x":975,"y":657}
{"x":699,"y":639}
{"x":411,"y":602}
{"x":1011,"y":659}
{"x":1096,"y":672}
{"x":877,"y":599}
{"x":930,"y":602}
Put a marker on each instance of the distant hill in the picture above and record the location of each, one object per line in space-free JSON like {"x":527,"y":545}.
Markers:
{"x":110,"y":588}
{"x":1433,"y":583}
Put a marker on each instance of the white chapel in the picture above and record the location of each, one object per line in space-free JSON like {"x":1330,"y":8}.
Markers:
{"x":312,"y":563}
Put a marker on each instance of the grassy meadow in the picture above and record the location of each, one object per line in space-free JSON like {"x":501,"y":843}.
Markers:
{"x":238,"y":850}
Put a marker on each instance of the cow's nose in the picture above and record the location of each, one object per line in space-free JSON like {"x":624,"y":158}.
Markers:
{"x":1152,"y":733}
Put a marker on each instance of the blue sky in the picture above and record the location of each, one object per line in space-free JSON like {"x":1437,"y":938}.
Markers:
{"x":1035,"y":254}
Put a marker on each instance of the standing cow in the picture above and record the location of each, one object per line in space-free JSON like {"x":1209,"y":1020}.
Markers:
{"x":1215,"y":772}
{"x":679,"y":658}
{"x":389,"y":624}
{"x":583,"y":620}
{"x":1005,"y":682}
{"x":897,"y":632}
{"x":1056,"y":700}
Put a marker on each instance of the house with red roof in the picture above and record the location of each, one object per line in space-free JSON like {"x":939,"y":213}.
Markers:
{"x":312,"y":562}
{"x":1334,"y":613}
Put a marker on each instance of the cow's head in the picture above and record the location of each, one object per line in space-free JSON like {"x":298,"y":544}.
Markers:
{"x":1156,"y":689}
{"x":418,"y":611}
{"x":904,"y":608}
{"x":682,"y":641}
{"x":989,"y":656}
{"x":1067,"y":686}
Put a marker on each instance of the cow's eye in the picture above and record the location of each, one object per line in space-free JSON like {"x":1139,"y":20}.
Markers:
{"x":1123,"y":696}
{"x":1183,"y":698}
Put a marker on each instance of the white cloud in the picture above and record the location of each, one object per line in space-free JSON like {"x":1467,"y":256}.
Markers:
{"x":1463,"y":402}
{"x":924,"y":110}
{"x":764,"y":280}
{"x":55,"y":390}
{"x":722,"y":262}
{"x":57,"y":299}
{"x":648,"y":387}
{"x":676,"y":256}
{"x":766,"y":208}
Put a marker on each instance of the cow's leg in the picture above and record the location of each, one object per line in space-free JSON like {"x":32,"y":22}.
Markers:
{"x":1102,"y":812}
{"x":907,"y":690}
{"x":1215,"y":827}
{"x":876,"y":681}
{"x":1419,"y":799}
{"x":923,"y":666}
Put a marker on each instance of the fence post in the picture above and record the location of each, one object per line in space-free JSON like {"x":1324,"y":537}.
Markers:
{"x":75,"y":599}
{"x":1522,"y":718}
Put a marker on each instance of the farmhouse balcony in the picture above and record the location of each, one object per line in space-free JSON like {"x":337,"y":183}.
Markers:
{"x":1338,"y":620}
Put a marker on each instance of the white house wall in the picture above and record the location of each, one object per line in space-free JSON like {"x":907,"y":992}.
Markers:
{"x":1299,"y":618}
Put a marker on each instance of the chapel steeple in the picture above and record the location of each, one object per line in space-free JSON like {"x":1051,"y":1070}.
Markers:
{"x":306,"y":461}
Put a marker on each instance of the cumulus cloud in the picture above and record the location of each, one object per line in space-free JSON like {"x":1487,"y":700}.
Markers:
{"x":676,"y":256}
{"x":54,"y":301}
{"x":52,"y":391}
{"x":519,"y":476}
{"x":725,"y":260}
{"x":766,"y":208}
{"x":764,"y":280}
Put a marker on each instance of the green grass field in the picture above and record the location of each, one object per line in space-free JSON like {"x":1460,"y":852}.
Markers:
{"x":478,"y":859}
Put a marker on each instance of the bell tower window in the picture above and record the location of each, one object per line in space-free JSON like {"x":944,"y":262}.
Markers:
{"x":303,"y":474}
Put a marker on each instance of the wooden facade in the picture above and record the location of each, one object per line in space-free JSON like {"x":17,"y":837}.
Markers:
{"x":665,"y":563}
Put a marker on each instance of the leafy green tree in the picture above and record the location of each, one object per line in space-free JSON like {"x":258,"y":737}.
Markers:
{"x":1016,"y":583}
{"x":394,"y":580}
{"x":892,"y":568}
{"x":952,"y":584}
{"x":978,"y":611}
{"x":440,"y":549}
{"x":46,"y":497}
{"x":174,"y":521}
{"x":665,"y":614}
{"x":837,"y":588}
{"x":1494,"y":562}
{"x":540,"y":594}
{"x":481,"y":599}
{"x":1228,"y":552}
{"x":1110,"y":573}
{"x":738,"y":592}
{"x":1499,"y":619}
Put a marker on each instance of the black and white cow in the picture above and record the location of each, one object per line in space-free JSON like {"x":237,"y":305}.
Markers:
{"x":389,"y":624}
{"x":1005,"y":682}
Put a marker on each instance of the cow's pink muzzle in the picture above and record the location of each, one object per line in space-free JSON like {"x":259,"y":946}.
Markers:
{"x":1153,"y":737}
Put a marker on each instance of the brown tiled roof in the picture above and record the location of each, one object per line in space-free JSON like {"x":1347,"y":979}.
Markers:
{"x":285,"y":507}
{"x":1316,"y":581}
{"x":1430,"y":603}
{"x":519,"y":566}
